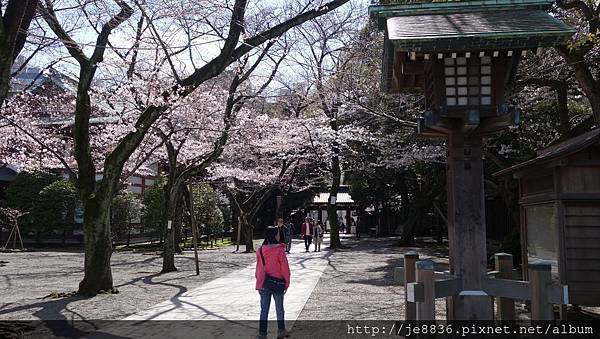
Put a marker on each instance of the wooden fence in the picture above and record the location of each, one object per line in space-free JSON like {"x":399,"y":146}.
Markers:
{"x":423,"y":285}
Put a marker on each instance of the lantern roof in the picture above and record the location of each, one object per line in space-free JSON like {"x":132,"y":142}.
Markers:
{"x":468,"y":25}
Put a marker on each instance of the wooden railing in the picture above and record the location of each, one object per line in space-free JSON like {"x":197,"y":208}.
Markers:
{"x":423,"y":285}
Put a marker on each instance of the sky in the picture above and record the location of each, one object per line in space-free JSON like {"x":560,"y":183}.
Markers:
{"x":204,"y":48}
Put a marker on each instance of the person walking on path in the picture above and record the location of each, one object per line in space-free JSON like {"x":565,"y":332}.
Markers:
{"x":318,"y":232}
{"x":281,"y":230}
{"x":272,"y":280}
{"x":307,"y":233}
{"x":288,"y":230}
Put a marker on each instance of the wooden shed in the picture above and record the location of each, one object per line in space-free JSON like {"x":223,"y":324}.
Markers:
{"x":559,"y":197}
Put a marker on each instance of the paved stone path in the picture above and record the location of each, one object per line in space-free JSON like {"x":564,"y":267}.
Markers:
{"x":232,"y":298}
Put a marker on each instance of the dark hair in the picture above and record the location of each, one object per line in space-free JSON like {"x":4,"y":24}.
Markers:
{"x":270,"y":234}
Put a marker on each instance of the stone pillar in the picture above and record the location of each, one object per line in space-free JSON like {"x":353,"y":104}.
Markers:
{"x":466,"y":225}
{"x":410,"y":259}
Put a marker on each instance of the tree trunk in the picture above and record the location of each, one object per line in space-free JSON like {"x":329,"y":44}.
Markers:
{"x":585,"y":78}
{"x":18,"y":15}
{"x":408,"y":231}
{"x":98,"y":245}
{"x":438,"y":226}
{"x":171,"y":199}
{"x":405,"y":200}
{"x":249,"y":235}
{"x":168,"y":249}
{"x":178,"y":226}
{"x":563,"y":110}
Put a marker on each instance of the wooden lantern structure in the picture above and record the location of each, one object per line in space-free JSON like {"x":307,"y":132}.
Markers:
{"x":559,"y":195}
{"x":464,"y":55}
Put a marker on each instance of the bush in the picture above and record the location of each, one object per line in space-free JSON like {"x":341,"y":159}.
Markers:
{"x":22,"y":194}
{"x":154,"y":202}
{"x":126,"y":209}
{"x":209,"y":216}
{"x":54,"y":208}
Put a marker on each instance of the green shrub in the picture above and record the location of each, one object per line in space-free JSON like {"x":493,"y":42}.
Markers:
{"x":22,"y":194}
{"x":54,"y":207}
{"x":154,"y":202}
{"x":126,"y":209}
{"x":209,"y":216}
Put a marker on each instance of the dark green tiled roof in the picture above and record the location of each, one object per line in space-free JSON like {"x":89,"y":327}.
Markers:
{"x":471,"y":30}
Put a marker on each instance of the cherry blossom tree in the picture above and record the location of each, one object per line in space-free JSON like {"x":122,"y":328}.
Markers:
{"x":268,"y":153}
{"x":198,"y":25}
{"x":195,"y":133}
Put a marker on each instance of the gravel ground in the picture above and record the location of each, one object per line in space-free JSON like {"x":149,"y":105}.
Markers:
{"x":30,"y":282}
{"x":358,"y":284}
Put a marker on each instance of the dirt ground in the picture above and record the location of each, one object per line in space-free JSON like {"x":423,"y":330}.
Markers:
{"x":33,"y":284}
{"x":359,"y":282}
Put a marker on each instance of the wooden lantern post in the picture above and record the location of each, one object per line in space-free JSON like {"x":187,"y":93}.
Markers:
{"x":464,"y":55}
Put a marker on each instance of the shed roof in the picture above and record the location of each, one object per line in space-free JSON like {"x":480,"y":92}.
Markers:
{"x":557,"y":151}
{"x":8,"y":173}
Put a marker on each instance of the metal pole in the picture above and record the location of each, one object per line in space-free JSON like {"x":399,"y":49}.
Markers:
{"x":194,"y":229}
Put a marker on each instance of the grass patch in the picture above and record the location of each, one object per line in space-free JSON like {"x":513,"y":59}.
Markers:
{"x":186,"y":245}
{"x":203,"y":245}
{"x":139,"y":247}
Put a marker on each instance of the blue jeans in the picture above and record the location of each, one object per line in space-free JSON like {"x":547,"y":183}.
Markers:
{"x":265,"y":303}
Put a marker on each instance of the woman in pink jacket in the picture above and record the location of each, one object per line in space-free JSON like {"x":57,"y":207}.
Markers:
{"x":272,"y":264}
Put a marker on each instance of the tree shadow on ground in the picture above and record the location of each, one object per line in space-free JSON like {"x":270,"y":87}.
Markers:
{"x":438,"y":254}
{"x":53,"y":320}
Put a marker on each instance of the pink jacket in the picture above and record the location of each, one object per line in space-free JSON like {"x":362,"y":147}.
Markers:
{"x":276,"y":264}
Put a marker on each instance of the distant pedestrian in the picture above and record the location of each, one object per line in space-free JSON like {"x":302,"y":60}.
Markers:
{"x":288,"y":230}
{"x":318,"y":236}
{"x":307,"y":233}
{"x":281,"y":230}
{"x":272,"y":280}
